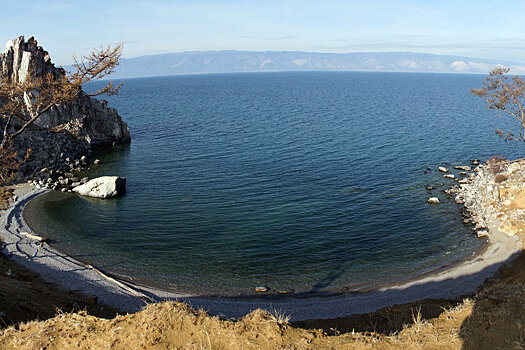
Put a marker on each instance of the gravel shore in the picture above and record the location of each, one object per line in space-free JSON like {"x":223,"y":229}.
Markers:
{"x":447,"y":283}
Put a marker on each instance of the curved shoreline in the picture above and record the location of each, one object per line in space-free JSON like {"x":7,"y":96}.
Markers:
{"x":449,"y":282}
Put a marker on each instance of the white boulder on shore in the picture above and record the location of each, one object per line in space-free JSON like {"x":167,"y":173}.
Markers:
{"x":102,"y":187}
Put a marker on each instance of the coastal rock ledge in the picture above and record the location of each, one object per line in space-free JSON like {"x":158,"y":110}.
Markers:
{"x":103,"y":187}
{"x":72,"y":129}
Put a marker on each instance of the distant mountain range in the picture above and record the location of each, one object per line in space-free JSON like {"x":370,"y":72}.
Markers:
{"x":195,"y":62}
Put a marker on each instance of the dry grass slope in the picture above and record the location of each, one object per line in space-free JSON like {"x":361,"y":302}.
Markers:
{"x":176,"y":326}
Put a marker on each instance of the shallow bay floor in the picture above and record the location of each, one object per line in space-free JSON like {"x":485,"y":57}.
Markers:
{"x":449,"y":283}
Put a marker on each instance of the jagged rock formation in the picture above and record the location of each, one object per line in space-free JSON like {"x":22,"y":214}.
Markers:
{"x":69,"y":130}
{"x":86,"y":118}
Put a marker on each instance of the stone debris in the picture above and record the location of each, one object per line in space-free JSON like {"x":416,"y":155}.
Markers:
{"x":463,"y":167}
{"x":494,"y":194}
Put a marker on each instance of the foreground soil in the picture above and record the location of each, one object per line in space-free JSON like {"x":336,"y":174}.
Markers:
{"x":25,"y":296}
{"x":492,"y":319}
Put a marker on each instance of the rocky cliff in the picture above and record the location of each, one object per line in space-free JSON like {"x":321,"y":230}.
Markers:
{"x":69,"y":130}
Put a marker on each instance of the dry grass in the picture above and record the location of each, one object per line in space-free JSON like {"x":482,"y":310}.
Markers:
{"x":175,"y":325}
{"x":5,"y":196}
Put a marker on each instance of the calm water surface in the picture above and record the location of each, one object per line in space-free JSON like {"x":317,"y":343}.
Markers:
{"x":309,"y":181}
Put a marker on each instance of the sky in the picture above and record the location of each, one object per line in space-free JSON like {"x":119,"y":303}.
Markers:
{"x":480,"y":29}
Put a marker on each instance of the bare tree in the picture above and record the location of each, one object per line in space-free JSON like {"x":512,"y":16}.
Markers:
{"x":9,"y":163}
{"x":35,"y":95}
{"x":29,"y":98}
{"x":506,"y":94}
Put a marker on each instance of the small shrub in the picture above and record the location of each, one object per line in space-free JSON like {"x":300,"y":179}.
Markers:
{"x":496,"y":164}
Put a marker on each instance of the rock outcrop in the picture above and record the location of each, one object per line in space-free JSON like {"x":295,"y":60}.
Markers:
{"x":66,"y":131}
{"x":103,"y":187}
{"x":490,"y":200}
{"x":86,"y":118}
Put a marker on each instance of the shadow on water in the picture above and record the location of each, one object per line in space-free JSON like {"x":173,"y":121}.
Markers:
{"x":495,"y":322}
{"x":393,"y":318}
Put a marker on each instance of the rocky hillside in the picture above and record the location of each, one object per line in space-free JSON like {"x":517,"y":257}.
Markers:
{"x":67,"y":132}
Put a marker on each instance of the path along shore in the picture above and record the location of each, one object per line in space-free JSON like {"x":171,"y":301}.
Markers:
{"x":463,"y":278}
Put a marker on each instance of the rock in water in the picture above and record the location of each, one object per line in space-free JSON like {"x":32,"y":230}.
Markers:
{"x":443,"y":169}
{"x":103,"y":187}
{"x":433,"y":200}
{"x":463,"y":167}
{"x":482,"y":233}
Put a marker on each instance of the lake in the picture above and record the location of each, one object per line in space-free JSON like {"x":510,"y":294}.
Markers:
{"x":307,"y":180}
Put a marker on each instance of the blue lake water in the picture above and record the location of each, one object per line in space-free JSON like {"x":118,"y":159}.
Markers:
{"x":310,"y":181}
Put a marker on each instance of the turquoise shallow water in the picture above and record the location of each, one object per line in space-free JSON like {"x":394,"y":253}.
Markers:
{"x":308,"y":181}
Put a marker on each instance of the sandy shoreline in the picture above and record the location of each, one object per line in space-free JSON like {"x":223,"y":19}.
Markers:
{"x":458,"y":280}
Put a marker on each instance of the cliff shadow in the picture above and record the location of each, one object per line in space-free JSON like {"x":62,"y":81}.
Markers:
{"x":26,"y":296}
{"x":497,"y":320}
{"x":386,"y":321}
{"x":396,"y":309}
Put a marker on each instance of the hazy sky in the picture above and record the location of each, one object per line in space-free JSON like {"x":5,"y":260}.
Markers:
{"x":483,"y":29}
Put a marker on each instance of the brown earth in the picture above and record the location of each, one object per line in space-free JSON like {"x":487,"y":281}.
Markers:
{"x":25,"y":296}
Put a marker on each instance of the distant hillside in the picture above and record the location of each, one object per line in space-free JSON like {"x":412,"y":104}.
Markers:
{"x":271,"y":61}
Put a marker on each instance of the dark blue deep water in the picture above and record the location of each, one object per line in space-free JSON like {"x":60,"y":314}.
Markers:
{"x":309,"y":181}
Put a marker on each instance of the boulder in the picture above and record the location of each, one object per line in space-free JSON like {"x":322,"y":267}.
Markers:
{"x":433,"y":200}
{"x":482,"y":233}
{"x":449,"y":176}
{"x":463,"y":167}
{"x":500,"y":178}
{"x":102,"y":187}
{"x":443,"y":169}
